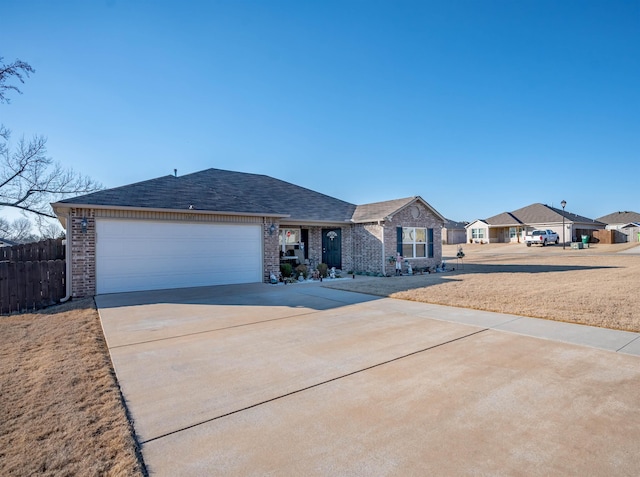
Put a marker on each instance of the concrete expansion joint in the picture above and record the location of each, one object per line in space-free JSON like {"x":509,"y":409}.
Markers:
{"x":214,"y":330}
{"x":628,"y":344}
{"x":312,"y":386}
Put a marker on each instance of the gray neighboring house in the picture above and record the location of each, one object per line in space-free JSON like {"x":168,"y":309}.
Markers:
{"x":219,"y":227}
{"x":627,"y":223}
{"x":511,"y":227}
{"x":454,"y":232}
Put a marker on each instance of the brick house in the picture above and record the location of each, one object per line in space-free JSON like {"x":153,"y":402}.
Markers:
{"x":219,"y":227}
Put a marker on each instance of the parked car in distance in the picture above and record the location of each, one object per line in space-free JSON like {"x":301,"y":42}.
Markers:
{"x":541,"y":237}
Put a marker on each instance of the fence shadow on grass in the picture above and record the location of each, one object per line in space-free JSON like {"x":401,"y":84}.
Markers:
{"x":523,"y":268}
{"x":384,"y":287}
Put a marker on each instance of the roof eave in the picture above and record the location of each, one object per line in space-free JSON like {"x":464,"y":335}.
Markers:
{"x":66,"y":206}
{"x":314,"y":222}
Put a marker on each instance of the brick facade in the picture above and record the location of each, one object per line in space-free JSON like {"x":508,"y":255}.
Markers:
{"x":369,"y":240}
{"x":270,"y":249}
{"x":83,"y":253}
{"x":405,"y":218}
{"x":365,"y":247}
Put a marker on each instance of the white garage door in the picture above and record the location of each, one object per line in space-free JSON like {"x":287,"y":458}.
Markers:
{"x":145,"y":255}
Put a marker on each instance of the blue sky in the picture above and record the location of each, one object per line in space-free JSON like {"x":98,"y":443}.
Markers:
{"x":480,"y":107}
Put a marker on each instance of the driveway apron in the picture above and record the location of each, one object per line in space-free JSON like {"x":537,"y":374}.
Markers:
{"x":305,"y":380}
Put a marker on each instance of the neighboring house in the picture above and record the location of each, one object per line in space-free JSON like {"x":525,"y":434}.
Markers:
{"x":7,"y":243}
{"x":222,"y":227}
{"x":454,"y":232}
{"x":513,"y":226}
{"x":627,"y":223}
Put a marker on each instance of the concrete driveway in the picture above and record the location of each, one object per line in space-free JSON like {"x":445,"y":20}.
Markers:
{"x":305,"y":380}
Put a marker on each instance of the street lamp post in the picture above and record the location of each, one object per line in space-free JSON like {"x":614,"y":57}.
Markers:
{"x":563,"y":204}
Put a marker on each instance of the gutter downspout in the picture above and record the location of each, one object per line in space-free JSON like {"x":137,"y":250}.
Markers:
{"x":67,"y":258}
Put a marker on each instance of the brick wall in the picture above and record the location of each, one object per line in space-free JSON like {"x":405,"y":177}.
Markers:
{"x":367,"y":248}
{"x":405,"y":218}
{"x":83,"y":253}
{"x":315,"y":246}
{"x":271,"y":251}
{"x":368,"y":241}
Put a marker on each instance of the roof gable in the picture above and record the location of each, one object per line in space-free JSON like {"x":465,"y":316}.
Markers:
{"x":384,"y":210}
{"x":477,"y":221}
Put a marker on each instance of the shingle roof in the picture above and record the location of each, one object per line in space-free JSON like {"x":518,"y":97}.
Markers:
{"x":224,"y":191}
{"x":543,"y":214}
{"x":504,"y":218}
{"x":452,"y":224}
{"x":380,"y":210}
{"x":216,"y":190}
{"x":620,"y":218}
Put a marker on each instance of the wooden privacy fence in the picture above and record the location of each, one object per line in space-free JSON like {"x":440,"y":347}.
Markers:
{"x":32,"y":276}
{"x":50,"y":249}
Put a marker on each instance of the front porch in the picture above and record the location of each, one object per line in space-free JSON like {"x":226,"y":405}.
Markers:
{"x":311,"y":245}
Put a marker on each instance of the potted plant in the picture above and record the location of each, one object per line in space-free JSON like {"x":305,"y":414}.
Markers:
{"x":286,"y":269}
{"x":323,"y":268}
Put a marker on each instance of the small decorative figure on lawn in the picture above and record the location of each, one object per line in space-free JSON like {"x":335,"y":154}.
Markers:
{"x":398,"y":264}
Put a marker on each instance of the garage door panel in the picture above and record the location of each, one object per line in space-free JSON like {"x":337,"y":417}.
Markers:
{"x":138,"y":255}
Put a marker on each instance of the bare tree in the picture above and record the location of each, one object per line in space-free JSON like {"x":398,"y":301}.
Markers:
{"x":29,"y":179}
{"x":51,"y":230}
{"x":5,"y":228}
{"x":20,"y":230}
{"x":18,"y":70}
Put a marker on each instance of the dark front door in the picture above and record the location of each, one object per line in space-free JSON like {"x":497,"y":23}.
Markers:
{"x":332,"y":247}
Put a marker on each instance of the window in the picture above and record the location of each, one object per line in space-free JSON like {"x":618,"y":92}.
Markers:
{"x":513,"y":233}
{"x":477,"y":233}
{"x":417,"y":242}
{"x":289,"y":238}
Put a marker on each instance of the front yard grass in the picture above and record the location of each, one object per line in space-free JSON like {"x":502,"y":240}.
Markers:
{"x":597,"y":286}
{"x":60,"y":406}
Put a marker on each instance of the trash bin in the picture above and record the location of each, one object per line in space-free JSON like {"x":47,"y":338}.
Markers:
{"x":585,"y":239}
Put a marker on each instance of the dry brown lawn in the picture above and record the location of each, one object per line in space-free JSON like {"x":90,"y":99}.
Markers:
{"x":60,"y":405}
{"x":597,"y":286}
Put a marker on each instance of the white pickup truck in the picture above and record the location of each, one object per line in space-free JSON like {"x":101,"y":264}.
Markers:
{"x":541,"y":237}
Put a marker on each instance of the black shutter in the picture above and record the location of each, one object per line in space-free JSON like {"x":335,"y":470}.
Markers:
{"x":399,"y":240}
{"x":430,"y":242}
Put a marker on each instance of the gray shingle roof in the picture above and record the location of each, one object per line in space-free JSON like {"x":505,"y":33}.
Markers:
{"x":544,"y":214}
{"x":452,"y":224}
{"x":504,"y":218}
{"x":380,"y":210}
{"x":620,"y":218}
{"x":217,"y":190}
